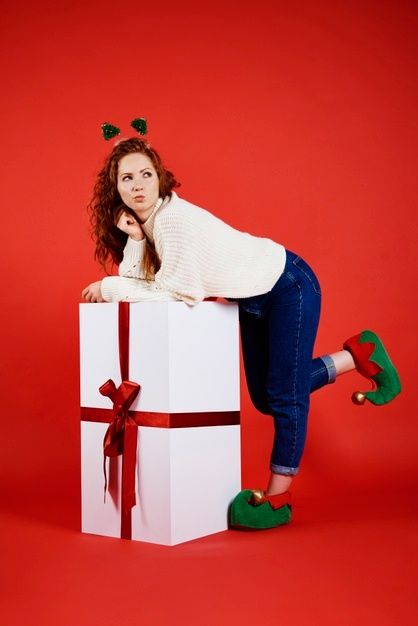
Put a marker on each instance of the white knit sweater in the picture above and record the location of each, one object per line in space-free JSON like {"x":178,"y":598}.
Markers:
{"x":200,"y":255}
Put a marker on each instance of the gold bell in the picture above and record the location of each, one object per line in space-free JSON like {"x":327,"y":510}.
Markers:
{"x":257,"y":497}
{"x":358,"y":397}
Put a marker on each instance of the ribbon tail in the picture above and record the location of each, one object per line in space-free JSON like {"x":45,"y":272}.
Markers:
{"x":128,"y":478}
{"x":105,"y":479}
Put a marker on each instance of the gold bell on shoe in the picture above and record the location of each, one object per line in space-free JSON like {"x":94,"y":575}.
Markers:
{"x":257,"y":497}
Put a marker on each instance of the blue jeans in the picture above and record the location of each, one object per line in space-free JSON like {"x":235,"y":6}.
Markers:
{"x":278,"y":331}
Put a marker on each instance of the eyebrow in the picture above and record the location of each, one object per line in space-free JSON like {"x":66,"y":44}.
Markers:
{"x":140,"y":171}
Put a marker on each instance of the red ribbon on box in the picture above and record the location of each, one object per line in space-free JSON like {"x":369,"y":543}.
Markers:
{"x":122,"y":434}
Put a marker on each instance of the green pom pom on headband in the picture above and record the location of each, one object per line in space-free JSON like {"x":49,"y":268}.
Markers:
{"x":140,"y":125}
{"x":109,"y":131}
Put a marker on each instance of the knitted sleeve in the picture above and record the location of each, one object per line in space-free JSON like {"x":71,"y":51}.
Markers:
{"x":131,"y":264}
{"x":122,"y":289}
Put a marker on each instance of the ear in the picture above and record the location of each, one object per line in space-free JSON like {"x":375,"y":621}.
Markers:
{"x":109,"y":131}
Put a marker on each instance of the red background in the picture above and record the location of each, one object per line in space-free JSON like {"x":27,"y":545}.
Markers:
{"x":295,"y":121}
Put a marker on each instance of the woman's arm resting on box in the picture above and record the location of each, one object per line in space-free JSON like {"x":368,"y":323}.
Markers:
{"x":121,"y":289}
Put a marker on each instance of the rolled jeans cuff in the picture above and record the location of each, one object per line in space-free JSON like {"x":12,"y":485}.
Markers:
{"x":285,"y":471}
{"x":330,"y":365}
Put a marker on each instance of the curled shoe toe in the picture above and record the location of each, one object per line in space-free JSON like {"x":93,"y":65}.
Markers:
{"x":373,"y":362}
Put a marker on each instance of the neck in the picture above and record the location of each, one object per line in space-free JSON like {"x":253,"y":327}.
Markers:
{"x":156,"y":206}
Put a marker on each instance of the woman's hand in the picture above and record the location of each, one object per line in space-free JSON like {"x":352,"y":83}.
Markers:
{"x":93,"y":293}
{"x":128,"y":224}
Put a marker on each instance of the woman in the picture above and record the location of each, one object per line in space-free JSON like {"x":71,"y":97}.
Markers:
{"x":170,"y":249}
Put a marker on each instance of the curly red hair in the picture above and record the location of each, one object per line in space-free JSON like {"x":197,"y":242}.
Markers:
{"x":106,"y":205}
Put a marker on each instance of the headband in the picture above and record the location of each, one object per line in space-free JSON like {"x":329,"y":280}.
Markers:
{"x":109,"y":131}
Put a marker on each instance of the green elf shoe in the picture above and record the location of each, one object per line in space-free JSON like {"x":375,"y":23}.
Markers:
{"x":255,"y":510}
{"x":373,"y":362}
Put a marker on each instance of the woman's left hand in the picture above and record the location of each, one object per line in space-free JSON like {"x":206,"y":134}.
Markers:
{"x":93,"y":293}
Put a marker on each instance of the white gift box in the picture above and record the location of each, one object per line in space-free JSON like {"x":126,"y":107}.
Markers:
{"x":186,"y":360}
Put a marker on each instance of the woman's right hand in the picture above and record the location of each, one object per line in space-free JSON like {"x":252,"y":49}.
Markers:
{"x":128,"y":224}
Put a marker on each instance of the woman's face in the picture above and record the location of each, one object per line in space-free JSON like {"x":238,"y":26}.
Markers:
{"x":138,"y":184}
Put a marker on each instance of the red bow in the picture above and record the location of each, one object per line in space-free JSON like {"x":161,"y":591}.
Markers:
{"x":121,"y":438}
{"x":122,"y":398}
